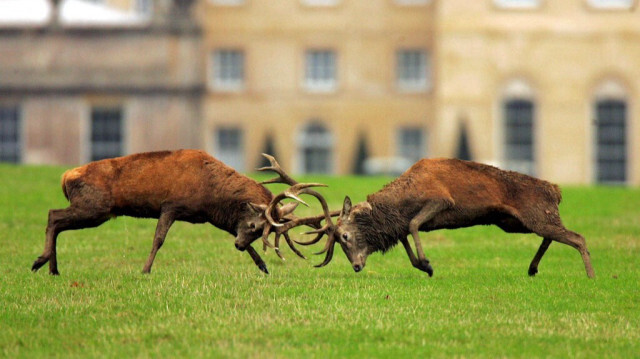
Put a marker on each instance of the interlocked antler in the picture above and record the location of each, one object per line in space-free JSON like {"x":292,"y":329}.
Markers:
{"x":294,"y":192}
{"x":289,"y":221}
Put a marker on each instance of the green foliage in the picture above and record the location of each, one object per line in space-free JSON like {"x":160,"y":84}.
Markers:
{"x":206,"y":299}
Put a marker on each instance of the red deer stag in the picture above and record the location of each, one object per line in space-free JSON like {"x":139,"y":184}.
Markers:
{"x":183,"y":185}
{"x":448,"y":193}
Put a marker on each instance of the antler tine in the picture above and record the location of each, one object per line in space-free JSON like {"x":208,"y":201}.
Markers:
{"x":265,"y":235}
{"x":292,"y":192}
{"x":293,"y":248}
{"x":283,"y":177}
{"x":329,"y":256}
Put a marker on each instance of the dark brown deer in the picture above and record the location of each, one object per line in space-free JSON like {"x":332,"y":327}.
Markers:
{"x":448,"y":193}
{"x":183,"y":185}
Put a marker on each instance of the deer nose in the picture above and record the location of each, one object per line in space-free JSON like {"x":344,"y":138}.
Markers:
{"x":240,"y":247}
{"x":357,"y":268}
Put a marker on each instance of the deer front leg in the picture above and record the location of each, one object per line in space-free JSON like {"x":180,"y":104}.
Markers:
{"x":430,"y":210}
{"x":417,"y":263}
{"x":257,"y":259}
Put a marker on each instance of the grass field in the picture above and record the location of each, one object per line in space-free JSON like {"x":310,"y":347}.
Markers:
{"x":206,"y":299}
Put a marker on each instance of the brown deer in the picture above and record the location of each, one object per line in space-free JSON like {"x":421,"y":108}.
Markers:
{"x":448,"y":193}
{"x":183,"y":185}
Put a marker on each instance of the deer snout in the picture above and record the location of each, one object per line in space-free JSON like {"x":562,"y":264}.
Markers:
{"x":239,"y":246}
{"x":358,"y":263}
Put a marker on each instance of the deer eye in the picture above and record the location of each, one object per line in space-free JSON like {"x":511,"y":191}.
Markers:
{"x":345,"y":236}
{"x":252,"y":225}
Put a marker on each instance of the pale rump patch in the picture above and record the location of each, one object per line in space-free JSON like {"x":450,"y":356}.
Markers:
{"x":73,"y":174}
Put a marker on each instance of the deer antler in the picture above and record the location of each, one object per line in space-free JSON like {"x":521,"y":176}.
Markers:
{"x":294,"y":192}
{"x":288,"y":222}
{"x":283,"y":177}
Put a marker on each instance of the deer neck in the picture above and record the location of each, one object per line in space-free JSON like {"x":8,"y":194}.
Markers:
{"x":384,"y":227}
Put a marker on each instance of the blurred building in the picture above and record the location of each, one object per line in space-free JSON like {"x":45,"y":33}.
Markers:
{"x":543,"y":87}
{"x":81,"y":80}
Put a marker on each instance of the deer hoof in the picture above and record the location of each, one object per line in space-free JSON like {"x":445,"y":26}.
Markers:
{"x":263,"y":267}
{"x":425,"y":266}
{"x":533,"y":271}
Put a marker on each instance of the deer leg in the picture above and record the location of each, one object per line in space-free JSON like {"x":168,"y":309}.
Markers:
{"x":61,"y":220}
{"x":426,"y":214}
{"x":533,"y":267}
{"x":164,"y":223}
{"x":256,"y":259}
{"x":573,"y":239}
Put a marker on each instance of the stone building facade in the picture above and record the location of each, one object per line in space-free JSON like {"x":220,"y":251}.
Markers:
{"x":544,"y":87}
{"x":78,"y":87}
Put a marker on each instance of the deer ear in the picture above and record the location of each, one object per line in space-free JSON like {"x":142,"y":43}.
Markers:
{"x":257,"y":208}
{"x":346,"y":207}
{"x":287,"y":209}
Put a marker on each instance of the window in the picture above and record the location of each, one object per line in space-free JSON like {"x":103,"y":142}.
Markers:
{"x":611,"y":141}
{"x":10,"y":134}
{"x":518,"y":4}
{"x":611,"y":4}
{"x":315,"y":145}
{"x":411,"y":143}
{"x":320,"y":70}
{"x":230,"y":147}
{"x":227,"y":70}
{"x":106,"y":133}
{"x":412,"y":2}
{"x":412,"y":70}
{"x":519,"y":139}
{"x":228,"y":2}
{"x":320,"y":2}
{"x":144,"y":7}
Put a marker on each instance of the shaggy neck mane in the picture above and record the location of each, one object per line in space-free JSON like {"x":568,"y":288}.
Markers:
{"x":382,"y":227}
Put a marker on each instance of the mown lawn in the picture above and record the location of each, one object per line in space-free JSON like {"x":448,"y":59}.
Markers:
{"x":206,"y":299}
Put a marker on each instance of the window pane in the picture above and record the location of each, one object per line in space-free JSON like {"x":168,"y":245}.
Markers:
{"x":230,"y":147}
{"x":106,"y":133}
{"x":611,"y":157}
{"x":228,"y":69}
{"x":320,"y":70}
{"x":519,"y":139}
{"x":411,"y":143}
{"x":9,"y":134}
{"x":316,"y":144}
{"x":412,"y":69}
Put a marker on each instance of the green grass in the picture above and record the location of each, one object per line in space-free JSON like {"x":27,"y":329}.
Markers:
{"x":206,"y":299}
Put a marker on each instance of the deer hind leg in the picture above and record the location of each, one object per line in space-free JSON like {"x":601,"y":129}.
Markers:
{"x":533,"y":267}
{"x":164,"y":223}
{"x":61,"y":220}
{"x":573,"y":239}
{"x":428,"y":212}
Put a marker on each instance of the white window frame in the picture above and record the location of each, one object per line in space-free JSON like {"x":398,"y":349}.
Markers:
{"x":233,"y":157}
{"x":314,"y":66}
{"x":143,"y":7}
{"x":227,"y":2}
{"x":221,"y":79}
{"x":402,"y":147}
{"x":121,"y":131}
{"x":420,"y":83}
{"x":518,"y":4}
{"x":611,"y":4}
{"x":309,"y":139}
{"x":19,"y":144}
{"x":320,"y":3}
{"x":412,"y":2}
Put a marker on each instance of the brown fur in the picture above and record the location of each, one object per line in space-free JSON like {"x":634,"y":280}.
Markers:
{"x":450,"y":193}
{"x":184,"y":185}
